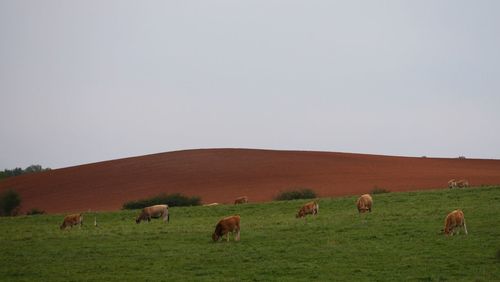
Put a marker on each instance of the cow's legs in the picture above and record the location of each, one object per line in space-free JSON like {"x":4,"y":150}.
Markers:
{"x":465,"y":228}
{"x":237,"y":235}
{"x":227,"y":236}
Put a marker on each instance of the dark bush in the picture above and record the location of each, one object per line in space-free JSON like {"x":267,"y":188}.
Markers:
{"x":172,"y":200}
{"x":9,"y":203}
{"x":305,"y":193}
{"x":378,"y":190}
{"x":35,"y":211}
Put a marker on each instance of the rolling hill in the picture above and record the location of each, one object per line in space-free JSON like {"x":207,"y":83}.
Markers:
{"x":220,"y":175}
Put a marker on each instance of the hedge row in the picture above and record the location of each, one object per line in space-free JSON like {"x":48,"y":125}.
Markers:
{"x":171,"y":200}
{"x":305,"y":193}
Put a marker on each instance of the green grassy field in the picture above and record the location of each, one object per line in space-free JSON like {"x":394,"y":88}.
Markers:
{"x":399,"y":241}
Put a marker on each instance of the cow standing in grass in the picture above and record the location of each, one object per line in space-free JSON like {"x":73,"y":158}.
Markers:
{"x":241,"y":200}
{"x":226,"y":225}
{"x":462,"y":183}
{"x":364,"y":203}
{"x":309,"y":208}
{"x":455,"y":220}
{"x":157,"y":211}
{"x":71,"y":220}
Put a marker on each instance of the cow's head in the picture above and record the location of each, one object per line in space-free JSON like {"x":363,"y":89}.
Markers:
{"x":62,"y":226}
{"x":215,"y":237}
{"x":363,"y":208}
{"x":299,"y":214}
{"x":139,"y":218}
{"x":142,"y":216}
{"x":446,"y":231}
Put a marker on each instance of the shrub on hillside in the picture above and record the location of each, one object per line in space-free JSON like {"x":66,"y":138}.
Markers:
{"x":378,"y":190}
{"x":305,"y":193}
{"x":9,"y":203}
{"x":35,"y":211}
{"x":171,"y":200}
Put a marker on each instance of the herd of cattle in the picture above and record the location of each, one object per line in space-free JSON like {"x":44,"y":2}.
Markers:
{"x":454,"y":221}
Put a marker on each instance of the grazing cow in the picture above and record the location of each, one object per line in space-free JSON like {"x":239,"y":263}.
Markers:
{"x":157,"y":211}
{"x":452,"y":184}
{"x":462,"y":183}
{"x":308,"y":208}
{"x":226,"y":225}
{"x":72,"y":219}
{"x":364,"y":203}
{"x":241,"y":200}
{"x":454,"y":220}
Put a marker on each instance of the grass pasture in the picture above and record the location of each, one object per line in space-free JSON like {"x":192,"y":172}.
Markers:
{"x":399,"y":241}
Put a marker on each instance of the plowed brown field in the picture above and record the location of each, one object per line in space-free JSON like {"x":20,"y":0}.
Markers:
{"x":220,"y":175}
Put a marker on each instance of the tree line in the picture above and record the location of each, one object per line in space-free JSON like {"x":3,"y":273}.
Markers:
{"x":19,"y":171}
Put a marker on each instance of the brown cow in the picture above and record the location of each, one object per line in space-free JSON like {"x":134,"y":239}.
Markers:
{"x":241,"y":200}
{"x":364,"y":203}
{"x":454,"y":220}
{"x":72,"y":219}
{"x":308,"y":208}
{"x":462,"y":183}
{"x":226,"y":225}
{"x":155,"y":211}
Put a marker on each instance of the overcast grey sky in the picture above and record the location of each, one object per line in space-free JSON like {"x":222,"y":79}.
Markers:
{"x":87,"y":81}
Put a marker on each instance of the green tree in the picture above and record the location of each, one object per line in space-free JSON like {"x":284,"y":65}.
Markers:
{"x":9,"y":202}
{"x":18,"y":171}
{"x":33,"y":168}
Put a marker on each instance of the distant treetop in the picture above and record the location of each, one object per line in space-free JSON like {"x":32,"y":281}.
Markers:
{"x":18,"y":171}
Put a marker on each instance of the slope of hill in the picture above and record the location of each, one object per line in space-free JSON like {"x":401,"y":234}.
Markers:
{"x":220,"y":175}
